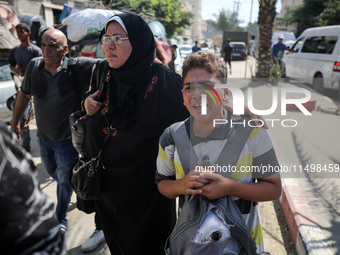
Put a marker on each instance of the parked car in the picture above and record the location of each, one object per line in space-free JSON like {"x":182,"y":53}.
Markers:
{"x":315,"y":58}
{"x":185,"y":50}
{"x":7,"y":89}
{"x":239,"y":50}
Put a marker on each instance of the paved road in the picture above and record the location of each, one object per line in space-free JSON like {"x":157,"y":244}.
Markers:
{"x":315,"y":140}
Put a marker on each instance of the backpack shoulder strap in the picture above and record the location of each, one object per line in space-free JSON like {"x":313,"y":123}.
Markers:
{"x":237,"y":138}
{"x":230,"y":153}
{"x":184,"y":147}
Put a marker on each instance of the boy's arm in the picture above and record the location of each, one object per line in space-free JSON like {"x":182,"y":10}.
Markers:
{"x":166,"y":172}
{"x":268,"y":185}
{"x":266,"y":189}
{"x":190,"y":184}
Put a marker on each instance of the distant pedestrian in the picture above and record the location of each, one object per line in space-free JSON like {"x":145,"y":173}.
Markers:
{"x":278,"y":50}
{"x":228,"y":53}
{"x":196,"y":47}
{"x":277,"y":54}
{"x":21,"y":55}
{"x":18,"y":59}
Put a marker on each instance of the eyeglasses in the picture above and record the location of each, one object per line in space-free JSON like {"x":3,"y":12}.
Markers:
{"x":116,"y":39}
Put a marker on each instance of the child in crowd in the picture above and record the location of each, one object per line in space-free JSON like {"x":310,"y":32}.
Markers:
{"x":201,"y":72}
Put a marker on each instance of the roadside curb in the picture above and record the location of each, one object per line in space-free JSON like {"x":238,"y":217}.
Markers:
{"x":303,"y":227}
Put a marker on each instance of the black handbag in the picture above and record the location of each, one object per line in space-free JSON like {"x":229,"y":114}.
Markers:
{"x":85,"y":177}
{"x":78,"y":121}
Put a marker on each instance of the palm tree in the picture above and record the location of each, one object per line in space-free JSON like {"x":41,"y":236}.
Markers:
{"x":266,"y":19}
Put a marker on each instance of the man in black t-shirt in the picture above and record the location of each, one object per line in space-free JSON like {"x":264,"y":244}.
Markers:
{"x":57,"y":85}
{"x":228,"y":53}
{"x":18,"y":58}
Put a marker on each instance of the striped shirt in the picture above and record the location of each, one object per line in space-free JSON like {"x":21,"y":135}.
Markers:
{"x":257,"y":152}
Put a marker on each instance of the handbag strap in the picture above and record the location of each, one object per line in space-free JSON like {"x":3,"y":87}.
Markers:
{"x":105,"y":141}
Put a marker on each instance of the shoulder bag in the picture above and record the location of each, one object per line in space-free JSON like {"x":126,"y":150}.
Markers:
{"x":85,"y":176}
{"x":78,"y":119}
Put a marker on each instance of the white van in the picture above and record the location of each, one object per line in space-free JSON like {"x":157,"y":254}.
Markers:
{"x":315,"y":58}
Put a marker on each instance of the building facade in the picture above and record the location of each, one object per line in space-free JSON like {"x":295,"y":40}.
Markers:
{"x":195,"y":32}
{"x":287,"y":4}
{"x":49,"y":10}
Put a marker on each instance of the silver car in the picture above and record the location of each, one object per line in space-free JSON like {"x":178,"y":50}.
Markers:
{"x":7,"y":89}
{"x":185,"y":50}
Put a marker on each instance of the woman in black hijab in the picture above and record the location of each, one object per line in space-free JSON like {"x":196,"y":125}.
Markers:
{"x":140,"y":98}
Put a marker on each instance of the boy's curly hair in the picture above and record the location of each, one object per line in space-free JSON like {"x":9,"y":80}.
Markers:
{"x":207,"y":60}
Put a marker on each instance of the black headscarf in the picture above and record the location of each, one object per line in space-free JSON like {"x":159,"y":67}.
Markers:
{"x":134,"y":75}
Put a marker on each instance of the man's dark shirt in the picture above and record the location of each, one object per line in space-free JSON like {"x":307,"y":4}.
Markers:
{"x":57,"y":96}
{"x":227,"y":50}
{"x":195,"y":49}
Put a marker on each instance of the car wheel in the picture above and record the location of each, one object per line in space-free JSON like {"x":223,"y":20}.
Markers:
{"x":318,"y":83}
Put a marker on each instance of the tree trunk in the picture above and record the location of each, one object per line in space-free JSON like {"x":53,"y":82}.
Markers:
{"x":266,"y":19}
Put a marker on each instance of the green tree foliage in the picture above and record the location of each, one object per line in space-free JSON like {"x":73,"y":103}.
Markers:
{"x":331,"y":14}
{"x":285,"y":19}
{"x":166,"y":11}
{"x":305,"y":14}
{"x":226,"y":20}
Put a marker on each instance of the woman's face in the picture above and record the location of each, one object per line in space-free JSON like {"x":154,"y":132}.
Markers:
{"x":116,"y":54}
{"x":197,"y":82}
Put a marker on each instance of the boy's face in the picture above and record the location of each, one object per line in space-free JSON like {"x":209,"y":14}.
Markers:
{"x":197,"y":82}
{"x":22,"y":34}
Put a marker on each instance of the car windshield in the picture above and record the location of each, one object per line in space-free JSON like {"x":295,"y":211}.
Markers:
{"x":185,"y":48}
{"x":237,"y":45}
{"x":5,"y":71}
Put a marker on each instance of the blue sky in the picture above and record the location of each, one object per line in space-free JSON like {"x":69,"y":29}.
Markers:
{"x":209,"y":7}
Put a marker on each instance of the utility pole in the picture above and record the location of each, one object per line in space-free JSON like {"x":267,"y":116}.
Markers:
{"x":251,"y":12}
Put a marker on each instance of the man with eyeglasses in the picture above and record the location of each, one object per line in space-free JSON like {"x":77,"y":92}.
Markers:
{"x":57,"y":84}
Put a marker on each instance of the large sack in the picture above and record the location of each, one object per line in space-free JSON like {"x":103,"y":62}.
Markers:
{"x":88,"y":21}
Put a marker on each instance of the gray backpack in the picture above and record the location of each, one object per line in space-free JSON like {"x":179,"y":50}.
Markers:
{"x":209,"y":226}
